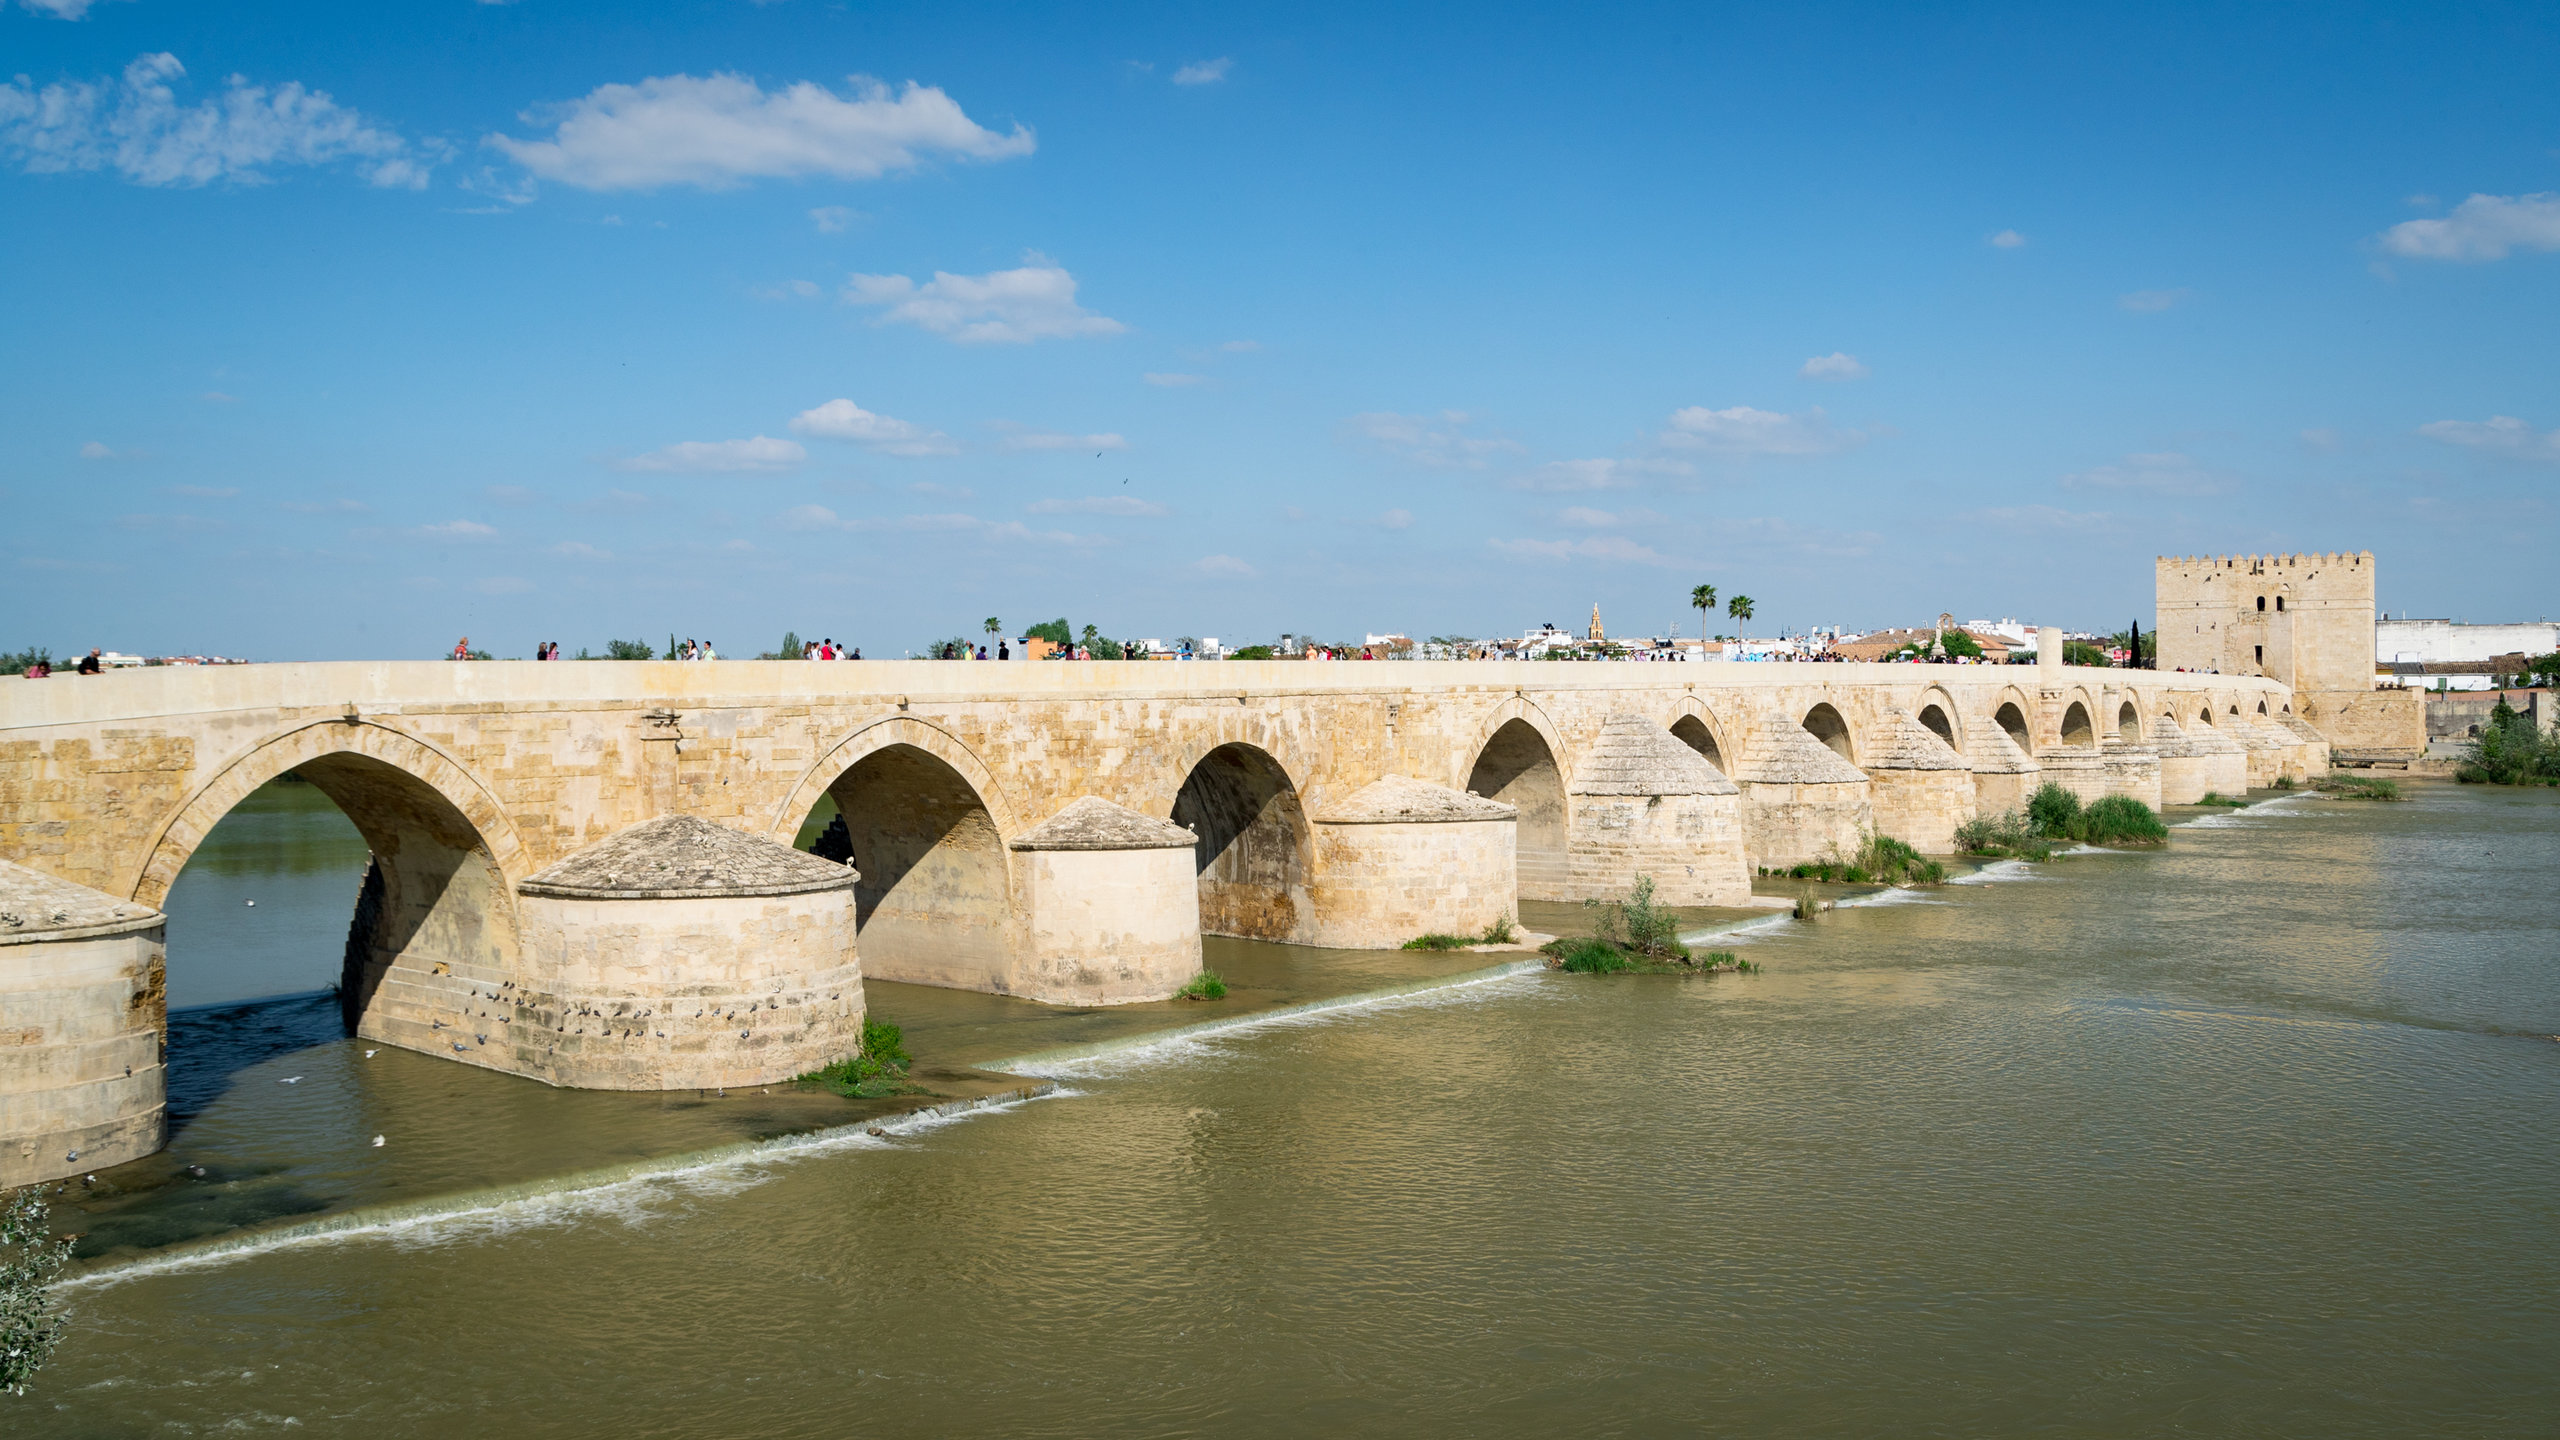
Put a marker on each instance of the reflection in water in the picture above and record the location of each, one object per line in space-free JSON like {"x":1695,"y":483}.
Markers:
{"x":2257,"y":1135}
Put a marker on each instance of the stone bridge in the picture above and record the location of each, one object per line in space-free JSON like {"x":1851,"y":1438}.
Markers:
{"x":1061,"y":831}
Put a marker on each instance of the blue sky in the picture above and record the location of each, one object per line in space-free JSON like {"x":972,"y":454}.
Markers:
{"x":339,"y":331}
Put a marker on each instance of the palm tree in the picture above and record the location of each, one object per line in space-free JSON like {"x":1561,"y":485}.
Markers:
{"x":993,"y":627}
{"x":1739,"y":607}
{"x":1703,"y":600}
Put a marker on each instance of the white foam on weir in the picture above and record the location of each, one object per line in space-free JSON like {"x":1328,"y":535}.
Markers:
{"x":1742,"y":934}
{"x":618,"y":1191}
{"x":1999,"y":872}
{"x":1106,"y":1056}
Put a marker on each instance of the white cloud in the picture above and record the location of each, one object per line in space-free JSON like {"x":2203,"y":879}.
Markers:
{"x":97,"y":450}
{"x":819,"y":517}
{"x":1204,"y":72}
{"x":2323,"y":441}
{"x":456,"y":530}
{"x":1099,"y":505}
{"x":206,"y":492}
{"x":138,"y":129}
{"x":1396,"y":520}
{"x":1834,"y":366}
{"x":1742,"y":430}
{"x":1002,"y":307}
{"x":1227,"y":565}
{"x":2504,"y":434}
{"x":1172,"y":380}
{"x":579,"y":550}
{"x":59,"y":9}
{"x":1587,"y":517}
{"x":844,"y":420}
{"x":2008,"y":240}
{"x":1241,"y":347}
{"x":1017,"y":438}
{"x":721,"y":130}
{"x":1615,"y":548}
{"x":2484,"y":227}
{"x":1435,"y":442}
{"x":760,"y":454}
{"x":2152,"y":302}
{"x":2161,"y":473}
{"x":502,"y":585}
{"x":832,"y":219}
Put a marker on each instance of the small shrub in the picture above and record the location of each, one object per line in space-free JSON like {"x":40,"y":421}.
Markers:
{"x":1807,"y":907}
{"x":1637,"y":923}
{"x":30,"y":1256}
{"x":878,"y":1069}
{"x":1726,"y":960}
{"x":2215,"y":797}
{"x":1252,"y":652}
{"x":2511,"y":750}
{"x":1501,"y":932}
{"x":1437,"y":941}
{"x":1207,"y":985}
{"x":1882,"y":860}
{"x":2051,"y":810}
{"x":2361,"y":788}
{"x":2002,"y":836}
{"x":2119,"y":820}
{"x":629,"y":650}
{"x":1590,"y":955}
{"x":2284,"y":782}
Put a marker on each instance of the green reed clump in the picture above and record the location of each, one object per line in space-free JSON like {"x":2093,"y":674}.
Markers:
{"x":1883,"y":860}
{"x":1499,"y":932}
{"x":2284,"y":782}
{"x":1648,"y":929}
{"x":1590,"y":955}
{"x":1207,"y":985}
{"x":1806,"y":906}
{"x":2216,"y":797}
{"x":877,"y":1070}
{"x":2362,"y":788}
{"x":2051,"y":810}
{"x":2006,"y":835}
{"x":2119,"y":820}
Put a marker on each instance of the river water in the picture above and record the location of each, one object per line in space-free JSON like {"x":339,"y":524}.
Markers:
{"x":2256,"y":1135}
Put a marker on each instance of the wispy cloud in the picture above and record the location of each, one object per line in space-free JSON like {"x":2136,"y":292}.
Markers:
{"x":1616,"y":549}
{"x":1018,"y":438}
{"x":2484,"y":227}
{"x":1224,"y":567}
{"x":843,"y":420}
{"x":761,"y":454}
{"x":2007,"y":240}
{"x":456,"y":530}
{"x":1129,"y":505}
{"x":1204,"y":72}
{"x":1396,"y":520}
{"x":579,"y":550}
{"x":833,"y":219}
{"x":1442,"y":441}
{"x":100,"y":450}
{"x":819,"y":517}
{"x":1834,"y":366}
{"x":168,"y":522}
{"x":2499,"y":434}
{"x":2164,"y":472}
{"x":2046,"y":519}
{"x":1036,"y":301}
{"x":58,"y":9}
{"x":2152,"y":302}
{"x":136,"y":128}
{"x":1742,"y":430}
{"x":721,"y":130}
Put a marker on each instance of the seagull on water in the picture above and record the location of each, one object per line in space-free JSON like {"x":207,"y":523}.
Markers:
{"x":369,"y":1054}
{"x":296,"y":1080}
{"x":377,"y":1142}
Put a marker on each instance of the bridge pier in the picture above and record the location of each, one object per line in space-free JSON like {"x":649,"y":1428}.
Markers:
{"x":84,"y":1028}
{"x":1401,"y":857}
{"x":1111,"y":907}
{"x":1800,"y":800}
{"x":1922,"y":790}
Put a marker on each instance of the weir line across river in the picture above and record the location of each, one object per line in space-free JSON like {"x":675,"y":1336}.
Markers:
{"x":583,"y":873}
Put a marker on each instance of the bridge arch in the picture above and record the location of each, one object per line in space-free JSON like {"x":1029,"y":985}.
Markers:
{"x":2011,"y":717}
{"x":924,"y":825}
{"x":2129,"y":722}
{"x":2078,"y":731}
{"x":1519,"y":760}
{"x":1823,"y":722}
{"x":1938,"y":712}
{"x":1255,"y":854}
{"x":438,"y":898}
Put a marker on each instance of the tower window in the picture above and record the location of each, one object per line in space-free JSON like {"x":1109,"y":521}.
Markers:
{"x":2262,"y":602}
{"x":2262,"y":653}
{"x":2279,"y":602}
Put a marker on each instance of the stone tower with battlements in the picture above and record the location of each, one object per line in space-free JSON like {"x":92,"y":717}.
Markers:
{"x":2303,"y":620}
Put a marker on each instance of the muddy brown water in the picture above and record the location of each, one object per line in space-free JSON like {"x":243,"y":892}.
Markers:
{"x":2253,"y":1135}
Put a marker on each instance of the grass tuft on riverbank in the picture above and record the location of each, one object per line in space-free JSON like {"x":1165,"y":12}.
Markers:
{"x":1207,"y":985}
{"x":1500,"y":932}
{"x":876,"y":1071}
{"x":2341,"y":787}
{"x":1878,"y":860}
{"x":1591,"y":955}
{"x":2005,"y":836}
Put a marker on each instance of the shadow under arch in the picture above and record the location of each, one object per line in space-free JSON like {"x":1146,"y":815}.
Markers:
{"x":1691,"y":731}
{"x":2129,"y":723}
{"x":934,"y":904}
{"x":1824,"y":724}
{"x":2013,"y":722}
{"x":1253,"y":855}
{"x":2078,"y":732}
{"x":1939,"y":720}
{"x":438,"y":898}
{"x":1518,"y":767}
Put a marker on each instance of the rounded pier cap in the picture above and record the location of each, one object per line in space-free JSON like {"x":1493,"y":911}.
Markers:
{"x":1403,"y":800}
{"x":35,"y":906}
{"x":1634,"y":756}
{"x":684,"y":857}
{"x":1090,"y":822}
{"x":1787,"y":754}
{"x":1902,"y":743}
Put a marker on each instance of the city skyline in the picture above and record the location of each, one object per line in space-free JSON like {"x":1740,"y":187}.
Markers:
{"x":346,"y":333}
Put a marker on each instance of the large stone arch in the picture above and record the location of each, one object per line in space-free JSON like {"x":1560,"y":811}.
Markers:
{"x":436,"y":912}
{"x":1937,"y":710}
{"x":2079,"y":723}
{"x":2129,"y":726}
{"x":927,"y":826}
{"x":1694,"y":720}
{"x":1520,"y":761}
{"x":1824,"y":722}
{"x":1254,"y":858}
{"x":879,"y":735}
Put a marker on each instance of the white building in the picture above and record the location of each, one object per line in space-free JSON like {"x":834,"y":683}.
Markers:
{"x":2405,"y":641}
